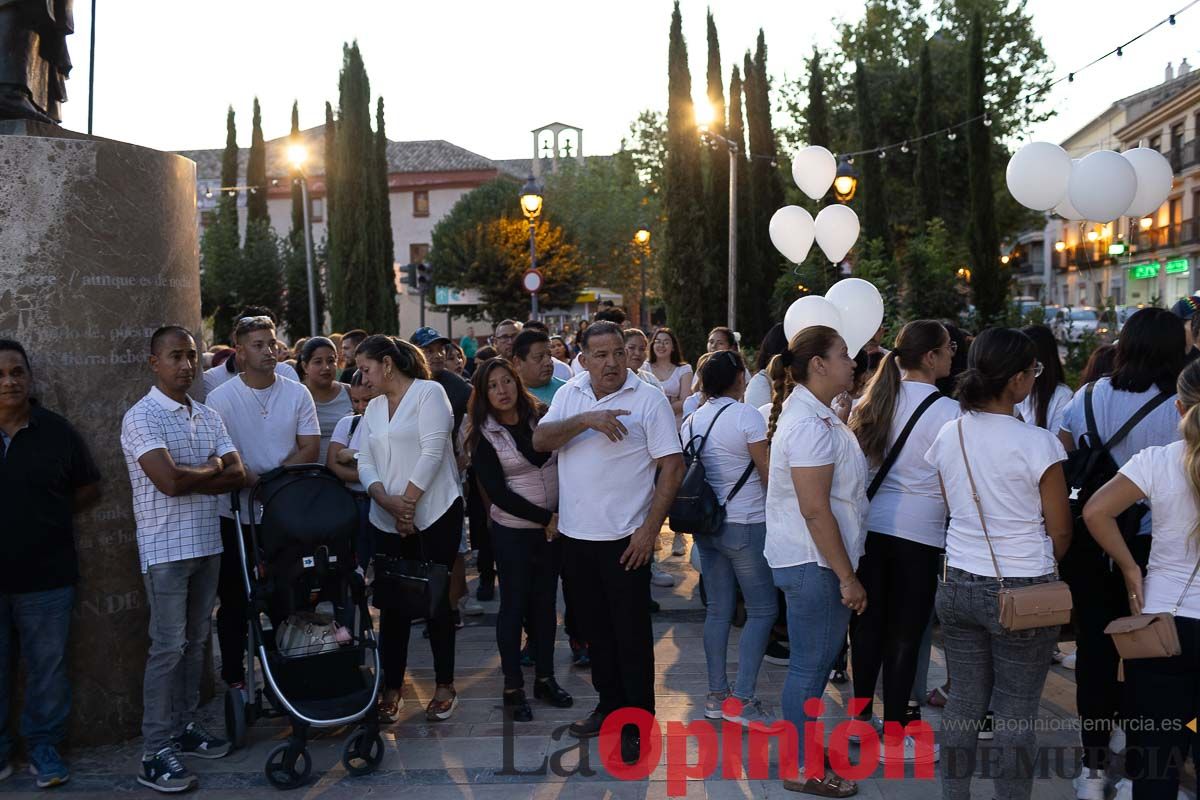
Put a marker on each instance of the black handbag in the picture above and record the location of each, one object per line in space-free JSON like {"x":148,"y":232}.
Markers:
{"x":414,"y":588}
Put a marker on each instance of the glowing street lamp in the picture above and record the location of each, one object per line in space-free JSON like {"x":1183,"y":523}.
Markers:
{"x":297,"y":155}
{"x":641,"y":238}
{"x":846,"y":181}
{"x":531,"y":207}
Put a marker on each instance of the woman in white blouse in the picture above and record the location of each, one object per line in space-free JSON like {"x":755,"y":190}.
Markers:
{"x":673,"y":372}
{"x":1022,"y":495}
{"x":1164,"y":691}
{"x":815,"y":511}
{"x":407,"y":465}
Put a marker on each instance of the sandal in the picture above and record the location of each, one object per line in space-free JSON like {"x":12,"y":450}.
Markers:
{"x":938,"y":697}
{"x":829,"y":786}
{"x":389,"y":706}
{"x":441,"y":710}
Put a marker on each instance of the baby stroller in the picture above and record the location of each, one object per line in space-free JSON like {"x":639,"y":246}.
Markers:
{"x":320,"y":670}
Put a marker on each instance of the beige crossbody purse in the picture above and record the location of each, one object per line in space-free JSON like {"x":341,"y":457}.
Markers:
{"x":1149,"y":635}
{"x":1042,"y":605}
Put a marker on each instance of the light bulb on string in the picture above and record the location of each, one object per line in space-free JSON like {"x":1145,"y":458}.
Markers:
{"x":882,"y":154}
{"x":952,"y":136}
{"x":904,"y":147}
{"x":774,"y":163}
{"x":987,"y":120}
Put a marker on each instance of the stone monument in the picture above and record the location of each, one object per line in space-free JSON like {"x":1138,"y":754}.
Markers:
{"x":98,"y":247}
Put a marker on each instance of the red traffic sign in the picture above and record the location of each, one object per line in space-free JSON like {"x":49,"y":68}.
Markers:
{"x":532,"y":280}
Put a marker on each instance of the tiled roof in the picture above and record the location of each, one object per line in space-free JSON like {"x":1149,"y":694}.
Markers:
{"x":435,"y":155}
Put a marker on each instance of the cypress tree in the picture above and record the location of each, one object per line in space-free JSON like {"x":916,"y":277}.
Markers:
{"x":220,"y":256}
{"x":766,"y":190}
{"x":747,"y":305}
{"x":817,"y":115}
{"x":716,"y":190}
{"x":385,"y":310}
{"x":870,"y":188}
{"x":983,"y":242}
{"x":256,"y":171}
{"x":353,"y":256}
{"x":332,"y":285}
{"x":684,"y":256}
{"x":926,"y":177}
{"x":295,"y":311}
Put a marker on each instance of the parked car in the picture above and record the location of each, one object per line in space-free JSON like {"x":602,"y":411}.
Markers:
{"x":1072,"y":323}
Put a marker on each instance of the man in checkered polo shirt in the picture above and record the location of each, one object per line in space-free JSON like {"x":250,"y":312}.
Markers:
{"x":180,"y":460}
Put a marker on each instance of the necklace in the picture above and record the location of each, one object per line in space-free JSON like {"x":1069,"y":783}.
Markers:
{"x":263,"y":407}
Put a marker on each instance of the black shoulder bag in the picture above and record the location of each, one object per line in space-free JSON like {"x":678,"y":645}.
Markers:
{"x":894,"y":453}
{"x":696,"y":509}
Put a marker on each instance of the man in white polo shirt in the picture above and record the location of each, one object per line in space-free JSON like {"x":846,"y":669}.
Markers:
{"x":273,"y":422}
{"x":612,"y":431}
{"x":180,"y":459}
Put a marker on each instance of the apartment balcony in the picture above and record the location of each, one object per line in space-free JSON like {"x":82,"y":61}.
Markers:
{"x":1166,"y":237}
{"x":1184,"y":156}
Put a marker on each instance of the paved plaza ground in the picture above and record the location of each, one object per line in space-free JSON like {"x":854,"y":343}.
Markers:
{"x":465,"y":756}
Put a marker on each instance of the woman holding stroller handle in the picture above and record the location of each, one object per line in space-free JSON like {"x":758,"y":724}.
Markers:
{"x":522,"y":485}
{"x":407,"y":464}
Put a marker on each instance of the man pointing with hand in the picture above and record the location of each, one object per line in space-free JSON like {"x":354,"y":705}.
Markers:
{"x":612,"y":431}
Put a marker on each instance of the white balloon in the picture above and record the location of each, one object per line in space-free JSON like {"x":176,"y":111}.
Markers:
{"x":837,"y":231}
{"x":1065,"y":209}
{"x":1154,"y":180}
{"x":861,"y":308}
{"x":1102,"y":186}
{"x":1037,"y":175}
{"x":814,"y":169}
{"x":809,"y":311}
{"x":792,"y":231}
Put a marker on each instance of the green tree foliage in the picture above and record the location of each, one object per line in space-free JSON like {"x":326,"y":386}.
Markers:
{"x":987,"y":281}
{"x":762,"y":266}
{"x":931,"y":265}
{"x":256,"y":171}
{"x":926,"y":176}
{"x":483,"y":243}
{"x":295,"y":262}
{"x":383,"y":222}
{"x":362,"y":288}
{"x":748,"y":305}
{"x":330,"y":141}
{"x":685,"y":258}
{"x":872,"y":190}
{"x":260,"y":278}
{"x":220,"y":256}
{"x":715,"y":171}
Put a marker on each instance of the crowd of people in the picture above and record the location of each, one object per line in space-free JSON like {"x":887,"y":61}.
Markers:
{"x":865,"y":497}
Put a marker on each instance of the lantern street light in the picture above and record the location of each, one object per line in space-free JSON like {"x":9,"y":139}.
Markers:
{"x":641,"y":238}
{"x":846,"y":181}
{"x":297,"y":154}
{"x":531,"y":207}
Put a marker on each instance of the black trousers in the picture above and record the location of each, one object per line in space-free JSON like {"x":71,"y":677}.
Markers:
{"x":900,"y":577}
{"x":481,"y":531}
{"x":613,"y":610}
{"x":232,"y":620}
{"x":439,"y":543}
{"x":528,"y":569}
{"x":1166,"y":695}
{"x":1099,"y":596}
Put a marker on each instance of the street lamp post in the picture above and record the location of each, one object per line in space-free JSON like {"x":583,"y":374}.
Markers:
{"x":703,"y":116}
{"x":642,"y":239}
{"x":531,"y":207}
{"x":297,"y":155}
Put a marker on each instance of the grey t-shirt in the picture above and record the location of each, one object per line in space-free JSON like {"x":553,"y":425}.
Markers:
{"x":329,"y":413}
{"x":1113,"y":408}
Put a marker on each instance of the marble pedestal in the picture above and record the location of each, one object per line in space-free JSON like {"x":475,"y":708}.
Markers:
{"x":98,"y":247}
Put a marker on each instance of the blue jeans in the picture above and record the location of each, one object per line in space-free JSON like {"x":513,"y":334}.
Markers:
{"x":817,"y":623}
{"x":42,"y":621}
{"x":732,"y":559}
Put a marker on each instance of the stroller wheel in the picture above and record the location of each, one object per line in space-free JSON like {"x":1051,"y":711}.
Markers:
{"x":283,"y":775}
{"x":362,"y":752}
{"x":235,"y":717}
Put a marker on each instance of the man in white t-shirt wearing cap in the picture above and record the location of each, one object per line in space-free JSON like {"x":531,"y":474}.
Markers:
{"x":273,"y":422}
{"x":612,"y":431}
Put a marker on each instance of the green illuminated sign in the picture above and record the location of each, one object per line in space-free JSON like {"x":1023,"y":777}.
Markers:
{"x":1177,"y":265}
{"x":1141,"y":272}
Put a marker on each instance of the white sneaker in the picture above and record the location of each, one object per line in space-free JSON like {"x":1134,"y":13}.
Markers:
{"x":1090,"y":784}
{"x":1069,"y":661}
{"x":470,"y":607}
{"x":752,"y":712}
{"x":909,"y":754}
{"x":679,"y":546}
{"x":658,"y":577}
{"x":1116,"y":741}
{"x":1124,"y":789}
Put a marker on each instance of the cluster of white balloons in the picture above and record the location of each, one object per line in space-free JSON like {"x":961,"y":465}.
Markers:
{"x":793,"y":229}
{"x":852,"y":307}
{"x":1100,"y":187}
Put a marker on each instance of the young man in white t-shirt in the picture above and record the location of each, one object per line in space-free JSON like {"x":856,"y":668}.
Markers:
{"x":612,"y":431}
{"x":273,"y":422}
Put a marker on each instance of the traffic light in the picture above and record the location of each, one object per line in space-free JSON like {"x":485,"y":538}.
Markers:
{"x":410,"y":275}
{"x":424,"y":276}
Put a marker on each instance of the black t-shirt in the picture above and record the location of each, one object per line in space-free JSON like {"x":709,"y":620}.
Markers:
{"x":459,"y":393}
{"x":39,"y":472}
